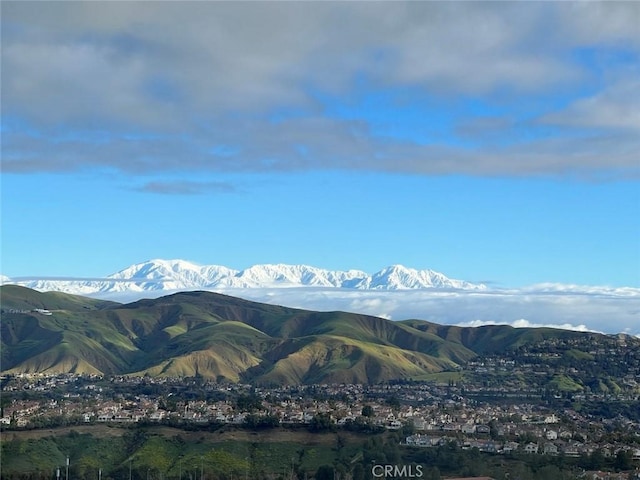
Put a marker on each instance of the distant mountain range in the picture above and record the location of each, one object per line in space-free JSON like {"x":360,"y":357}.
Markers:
{"x":226,"y":338}
{"x":173,"y":275}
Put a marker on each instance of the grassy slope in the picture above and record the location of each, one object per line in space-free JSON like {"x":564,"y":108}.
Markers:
{"x":489,"y":338}
{"x":166,"y":451}
{"x":17,"y":297}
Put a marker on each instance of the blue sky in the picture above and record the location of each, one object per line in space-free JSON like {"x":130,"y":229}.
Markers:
{"x":494,"y":142}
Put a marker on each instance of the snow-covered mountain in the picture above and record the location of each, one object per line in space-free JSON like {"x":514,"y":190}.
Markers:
{"x":172,"y":275}
{"x":398,"y":277}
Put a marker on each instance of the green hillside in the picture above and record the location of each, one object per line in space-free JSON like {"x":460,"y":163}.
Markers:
{"x":17,"y":297}
{"x":222,"y":337}
{"x":490,"y":338}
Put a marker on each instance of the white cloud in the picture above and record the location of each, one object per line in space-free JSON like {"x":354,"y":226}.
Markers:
{"x":259,"y":54}
{"x":170,"y":97}
{"x":587,"y":309}
{"x":523,"y":323}
{"x":616,"y":107}
{"x":186,"y":187}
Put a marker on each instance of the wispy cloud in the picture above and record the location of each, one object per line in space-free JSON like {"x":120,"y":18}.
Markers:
{"x":186,"y":188}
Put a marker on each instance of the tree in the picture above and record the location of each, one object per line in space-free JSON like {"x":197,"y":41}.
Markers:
{"x":87,"y":466}
{"x":432,"y":473}
{"x":358,"y":472}
{"x":596,"y":460}
{"x":623,"y":460}
{"x":324,"y":472}
{"x":321,"y":423}
{"x":392,"y":452}
{"x":255,"y":421}
{"x":549,"y":472}
{"x":248,"y":403}
{"x":393,"y":402}
{"x":367,"y":411}
{"x":494,"y":429}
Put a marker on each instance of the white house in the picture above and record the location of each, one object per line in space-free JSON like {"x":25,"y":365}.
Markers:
{"x":468,"y":428}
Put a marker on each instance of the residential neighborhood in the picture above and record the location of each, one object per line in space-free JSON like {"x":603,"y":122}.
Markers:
{"x":429,"y":414}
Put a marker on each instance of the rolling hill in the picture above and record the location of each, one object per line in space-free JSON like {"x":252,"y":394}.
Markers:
{"x":221,"y":337}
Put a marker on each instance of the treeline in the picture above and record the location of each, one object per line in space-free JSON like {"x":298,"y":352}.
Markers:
{"x":143,"y":455}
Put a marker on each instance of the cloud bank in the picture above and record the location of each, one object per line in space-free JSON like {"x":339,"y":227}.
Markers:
{"x":608,"y":310}
{"x":125,"y":87}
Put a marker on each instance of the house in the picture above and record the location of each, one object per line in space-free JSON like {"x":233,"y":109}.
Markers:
{"x":157,"y":416}
{"x":468,"y":428}
{"x":483,"y":430}
{"x":420,"y":440}
{"x":344,"y":420}
{"x":239,"y":418}
{"x":550,"y":449}
{"x":124,"y":417}
{"x":419,"y":423}
{"x":531,"y":448}
{"x":598,"y":475}
{"x":21,"y":422}
{"x":393,"y":425}
{"x":510,"y":447}
{"x":487,"y":446}
{"x":551,"y":435}
{"x":571,"y":451}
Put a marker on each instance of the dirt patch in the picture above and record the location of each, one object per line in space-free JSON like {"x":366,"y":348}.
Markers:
{"x":98,"y":431}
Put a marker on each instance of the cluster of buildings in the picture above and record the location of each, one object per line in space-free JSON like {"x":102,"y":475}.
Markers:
{"x":429,"y":414}
{"x":567,"y":448}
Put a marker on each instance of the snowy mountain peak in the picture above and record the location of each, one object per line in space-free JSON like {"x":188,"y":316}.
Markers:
{"x":171,"y":275}
{"x":399,"y":277}
{"x":157,"y":268}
